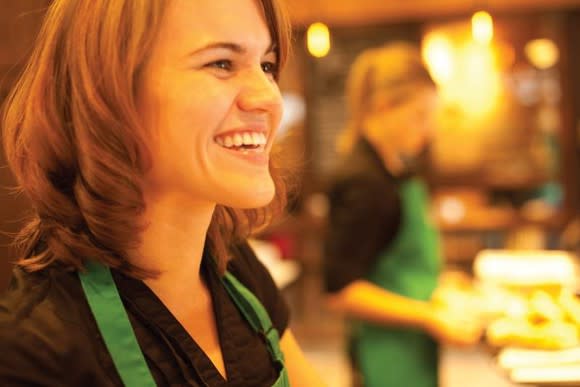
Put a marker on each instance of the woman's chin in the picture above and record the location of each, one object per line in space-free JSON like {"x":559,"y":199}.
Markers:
{"x":252,"y":196}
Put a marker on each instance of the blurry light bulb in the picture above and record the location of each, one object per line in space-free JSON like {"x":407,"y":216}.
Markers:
{"x":542,"y":53}
{"x":438,"y":55}
{"x":482,"y":27}
{"x":481,"y":83}
{"x":452,"y":210}
{"x":318,"y":40}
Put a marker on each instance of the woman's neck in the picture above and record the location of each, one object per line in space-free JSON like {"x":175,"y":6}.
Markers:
{"x":172,"y":245}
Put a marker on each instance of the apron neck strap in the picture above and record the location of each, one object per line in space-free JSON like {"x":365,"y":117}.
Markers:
{"x":258,"y":317}
{"x":114,"y":325}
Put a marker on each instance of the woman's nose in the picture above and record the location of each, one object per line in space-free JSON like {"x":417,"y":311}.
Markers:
{"x":260,"y":93}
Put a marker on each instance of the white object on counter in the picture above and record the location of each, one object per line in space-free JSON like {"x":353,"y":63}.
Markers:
{"x":527,"y":268}
{"x":568,"y":375}
{"x":511,"y":357}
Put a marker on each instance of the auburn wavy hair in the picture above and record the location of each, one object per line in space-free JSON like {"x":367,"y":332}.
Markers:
{"x":74,"y":141}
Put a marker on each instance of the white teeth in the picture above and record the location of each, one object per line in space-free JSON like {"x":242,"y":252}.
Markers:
{"x":256,"y":139}
{"x":238,"y":139}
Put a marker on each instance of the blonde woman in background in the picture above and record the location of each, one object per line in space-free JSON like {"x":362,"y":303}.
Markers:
{"x":382,"y":256}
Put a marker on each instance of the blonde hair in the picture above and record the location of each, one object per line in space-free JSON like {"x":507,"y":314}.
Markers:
{"x":74,"y":141}
{"x":382,"y":75}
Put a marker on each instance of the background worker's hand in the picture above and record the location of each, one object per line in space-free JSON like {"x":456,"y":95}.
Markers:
{"x":454,"y":327}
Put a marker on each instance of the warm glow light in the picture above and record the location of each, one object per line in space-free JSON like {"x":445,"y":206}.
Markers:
{"x":318,"y":40}
{"x":482,"y":27}
{"x":438,"y":55}
{"x":467,"y":72}
{"x":542,"y":53}
{"x":479,"y":85}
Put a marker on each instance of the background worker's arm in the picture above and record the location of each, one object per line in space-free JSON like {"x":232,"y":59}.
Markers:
{"x":365,"y":301}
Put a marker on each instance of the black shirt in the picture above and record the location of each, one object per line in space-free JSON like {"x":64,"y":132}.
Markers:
{"x":48,"y":336}
{"x":365,"y":216}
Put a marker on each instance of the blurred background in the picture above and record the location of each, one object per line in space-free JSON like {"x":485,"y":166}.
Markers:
{"x":504,"y":169}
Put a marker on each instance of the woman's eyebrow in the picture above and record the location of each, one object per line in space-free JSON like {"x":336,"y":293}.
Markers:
{"x":230,"y":46}
{"x":237,"y":48}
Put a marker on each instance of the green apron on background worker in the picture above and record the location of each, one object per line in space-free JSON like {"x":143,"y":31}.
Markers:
{"x":403,"y":357}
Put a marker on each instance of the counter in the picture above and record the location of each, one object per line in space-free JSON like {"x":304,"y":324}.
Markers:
{"x":478,"y":367}
{"x":472,"y":367}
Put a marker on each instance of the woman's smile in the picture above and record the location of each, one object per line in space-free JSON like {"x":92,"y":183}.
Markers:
{"x":248,"y":144}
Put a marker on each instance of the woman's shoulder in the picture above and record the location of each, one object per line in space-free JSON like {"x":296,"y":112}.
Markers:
{"x":42,"y":296}
{"x":43,"y":333}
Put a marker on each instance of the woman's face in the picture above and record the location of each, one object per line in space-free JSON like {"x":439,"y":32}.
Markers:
{"x":407,"y":127}
{"x":209,"y":99}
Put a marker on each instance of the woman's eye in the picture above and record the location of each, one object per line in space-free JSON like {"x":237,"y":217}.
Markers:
{"x":222,"y":64}
{"x":270,"y":68}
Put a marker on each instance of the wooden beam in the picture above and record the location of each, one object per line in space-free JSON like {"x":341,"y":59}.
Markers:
{"x":361,"y":12}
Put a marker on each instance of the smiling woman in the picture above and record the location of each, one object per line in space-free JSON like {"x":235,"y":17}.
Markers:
{"x":141,"y":131}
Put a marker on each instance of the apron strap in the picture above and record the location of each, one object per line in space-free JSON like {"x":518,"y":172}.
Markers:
{"x":258,"y":317}
{"x":114,"y":325}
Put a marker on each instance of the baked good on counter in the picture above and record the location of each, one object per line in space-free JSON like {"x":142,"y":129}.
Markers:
{"x":549,"y":322}
{"x":543,"y":308}
{"x":571,"y":307}
{"x":523,"y":333}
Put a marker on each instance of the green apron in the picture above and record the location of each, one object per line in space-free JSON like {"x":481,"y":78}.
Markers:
{"x":115,"y":327}
{"x":392,"y":356}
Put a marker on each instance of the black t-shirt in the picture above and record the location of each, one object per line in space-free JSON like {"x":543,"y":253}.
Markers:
{"x":48,"y":336}
{"x":364,"y":218}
